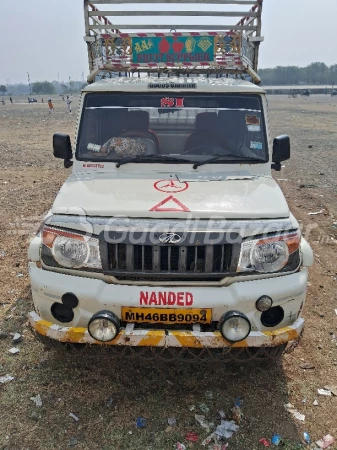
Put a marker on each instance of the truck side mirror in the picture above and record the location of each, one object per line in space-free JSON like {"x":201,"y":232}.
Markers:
{"x":62,"y":148}
{"x":281,"y":151}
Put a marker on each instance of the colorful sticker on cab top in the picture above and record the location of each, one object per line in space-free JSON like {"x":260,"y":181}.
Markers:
{"x":172,"y":102}
{"x":172,"y":49}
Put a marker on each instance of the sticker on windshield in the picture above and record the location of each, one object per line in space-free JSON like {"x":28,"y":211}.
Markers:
{"x":95,"y":148}
{"x":256,"y":145}
{"x":254,"y":128}
{"x":170,"y":102}
{"x":252,"y":120}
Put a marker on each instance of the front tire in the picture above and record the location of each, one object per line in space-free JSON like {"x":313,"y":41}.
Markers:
{"x":273,"y":352}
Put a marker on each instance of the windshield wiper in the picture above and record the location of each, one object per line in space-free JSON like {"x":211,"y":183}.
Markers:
{"x":124,"y":161}
{"x":230,"y":157}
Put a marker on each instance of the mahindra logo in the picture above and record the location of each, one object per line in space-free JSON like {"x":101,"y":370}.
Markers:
{"x":169,"y":238}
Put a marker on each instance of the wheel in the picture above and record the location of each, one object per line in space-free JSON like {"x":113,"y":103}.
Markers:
{"x":273,"y":352}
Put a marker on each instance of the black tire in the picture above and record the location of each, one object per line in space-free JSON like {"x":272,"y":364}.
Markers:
{"x":273,"y":352}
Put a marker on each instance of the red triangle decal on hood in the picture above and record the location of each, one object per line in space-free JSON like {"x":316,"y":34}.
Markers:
{"x":170,"y":204}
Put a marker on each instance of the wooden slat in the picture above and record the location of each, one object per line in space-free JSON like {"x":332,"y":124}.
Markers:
{"x":184,"y":72}
{"x":173,"y":13}
{"x":218,"y":2}
{"x":248,"y":22}
{"x":176,"y":27}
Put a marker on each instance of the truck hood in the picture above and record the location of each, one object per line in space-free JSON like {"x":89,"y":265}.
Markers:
{"x":107,"y":194}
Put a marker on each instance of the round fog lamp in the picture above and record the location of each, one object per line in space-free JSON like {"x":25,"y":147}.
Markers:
{"x":264,"y":303}
{"x":234,"y":326}
{"x":104,"y":326}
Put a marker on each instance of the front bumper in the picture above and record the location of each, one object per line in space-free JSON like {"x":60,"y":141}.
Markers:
{"x":165,"y":338}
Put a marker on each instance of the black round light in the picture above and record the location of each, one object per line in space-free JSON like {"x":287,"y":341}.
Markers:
{"x":272,"y":317}
{"x":104,"y":326}
{"x":264,"y":303}
{"x":234,"y":326}
{"x":62,"y":313}
{"x":70,"y":300}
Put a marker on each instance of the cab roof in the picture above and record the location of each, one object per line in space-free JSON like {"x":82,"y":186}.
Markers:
{"x":173,"y":84}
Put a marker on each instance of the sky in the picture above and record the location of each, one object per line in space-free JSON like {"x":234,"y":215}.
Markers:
{"x":45,"y":38}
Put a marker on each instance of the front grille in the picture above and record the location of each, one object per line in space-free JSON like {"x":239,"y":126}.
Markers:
{"x":169,"y":262}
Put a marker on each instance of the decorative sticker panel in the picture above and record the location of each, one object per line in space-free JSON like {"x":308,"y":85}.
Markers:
{"x":173,"y":49}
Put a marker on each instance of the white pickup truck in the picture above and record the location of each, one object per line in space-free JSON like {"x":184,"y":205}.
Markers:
{"x":171,"y":231}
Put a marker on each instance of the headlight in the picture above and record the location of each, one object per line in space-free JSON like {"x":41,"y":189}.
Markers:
{"x":234,"y":326}
{"x":72,"y":250}
{"x":269,"y":254}
{"x":104,"y":326}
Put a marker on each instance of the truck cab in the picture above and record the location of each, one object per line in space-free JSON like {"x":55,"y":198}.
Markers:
{"x":171,"y":231}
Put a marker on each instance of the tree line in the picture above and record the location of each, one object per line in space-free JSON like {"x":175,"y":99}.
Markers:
{"x":42,"y":88}
{"x":314,"y":73}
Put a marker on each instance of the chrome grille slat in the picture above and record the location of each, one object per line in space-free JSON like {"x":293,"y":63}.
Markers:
{"x":169,"y":261}
{"x":222,"y":258}
{"x":130,"y":258}
{"x":195,"y":259}
{"x":156,"y":259}
{"x":209,"y":258}
{"x":182,"y":258}
{"x":143,"y":258}
{"x":116,"y":256}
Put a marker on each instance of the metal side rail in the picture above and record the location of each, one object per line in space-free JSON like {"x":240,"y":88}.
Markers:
{"x":200,"y":45}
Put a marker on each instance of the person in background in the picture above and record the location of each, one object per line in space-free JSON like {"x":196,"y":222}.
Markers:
{"x":3,"y":101}
{"x":10,"y":99}
{"x":50,"y":105}
{"x":69,"y":104}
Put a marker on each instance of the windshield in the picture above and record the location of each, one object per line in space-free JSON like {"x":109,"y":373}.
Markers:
{"x":160,"y":127}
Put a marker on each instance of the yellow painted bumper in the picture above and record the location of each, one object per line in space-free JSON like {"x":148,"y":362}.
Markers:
{"x":164,"y":338}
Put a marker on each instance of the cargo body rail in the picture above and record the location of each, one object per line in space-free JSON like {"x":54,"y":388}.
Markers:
{"x":128,"y":41}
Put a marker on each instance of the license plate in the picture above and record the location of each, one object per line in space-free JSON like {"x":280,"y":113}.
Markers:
{"x":168,"y":316}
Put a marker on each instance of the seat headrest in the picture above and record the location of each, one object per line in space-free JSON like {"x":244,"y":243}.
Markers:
{"x":206,"y":121}
{"x":138,"y":120}
{"x":232,"y":122}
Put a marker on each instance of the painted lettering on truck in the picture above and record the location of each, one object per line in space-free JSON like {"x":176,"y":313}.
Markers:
{"x":148,"y":298}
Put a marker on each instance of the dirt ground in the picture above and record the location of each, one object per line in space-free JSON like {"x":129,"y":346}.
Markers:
{"x":108,"y":394}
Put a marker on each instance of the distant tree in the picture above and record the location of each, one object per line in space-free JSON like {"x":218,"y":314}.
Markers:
{"x":333,"y":74}
{"x":3,"y":89}
{"x":43,"y":87}
{"x":64,"y":88}
{"x":315,"y":73}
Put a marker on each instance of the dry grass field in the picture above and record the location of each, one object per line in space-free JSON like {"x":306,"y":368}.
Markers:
{"x":107,"y":394}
